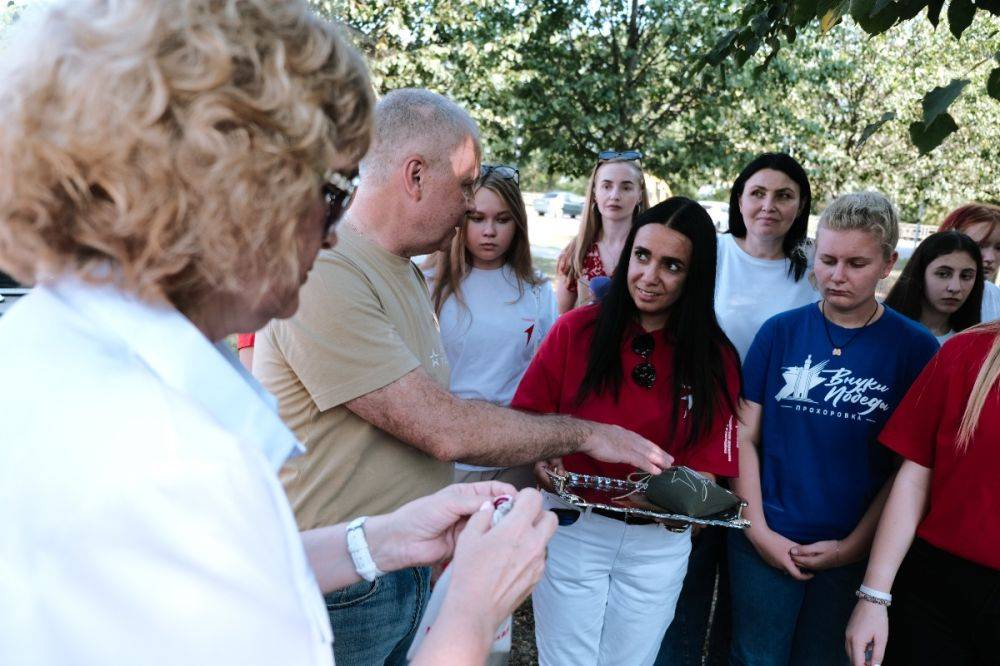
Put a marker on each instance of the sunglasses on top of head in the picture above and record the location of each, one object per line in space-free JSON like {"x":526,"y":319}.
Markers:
{"x":504,"y":171}
{"x":338,"y":191}
{"x":625,"y":155}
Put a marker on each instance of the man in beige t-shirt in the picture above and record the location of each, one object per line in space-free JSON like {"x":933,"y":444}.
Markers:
{"x":365,"y":320}
{"x":361,"y":377}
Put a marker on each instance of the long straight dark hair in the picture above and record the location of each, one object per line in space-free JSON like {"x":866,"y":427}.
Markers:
{"x":794,"y":243}
{"x":907,"y":295}
{"x":699,"y":343}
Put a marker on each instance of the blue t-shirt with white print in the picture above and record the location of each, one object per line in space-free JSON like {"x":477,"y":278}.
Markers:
{"x":820,"y":464}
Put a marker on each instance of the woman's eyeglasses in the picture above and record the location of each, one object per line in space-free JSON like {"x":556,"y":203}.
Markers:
{"x":338,"y":191}
{"x":502,"y":170}
{"x":626,"y":155}
{"x":644,"y":374}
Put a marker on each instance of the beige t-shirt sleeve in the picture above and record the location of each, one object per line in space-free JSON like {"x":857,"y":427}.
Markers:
{"x":342,"y":344}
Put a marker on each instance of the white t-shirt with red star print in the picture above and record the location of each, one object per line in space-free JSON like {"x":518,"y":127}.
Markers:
{"x":492,"y":334}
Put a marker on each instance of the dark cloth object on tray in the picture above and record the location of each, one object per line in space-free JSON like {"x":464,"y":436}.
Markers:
{"x":683,"y":491}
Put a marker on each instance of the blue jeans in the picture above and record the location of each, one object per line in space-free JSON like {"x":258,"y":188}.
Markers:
{"x":374,"y":623}
{"x":684,"y":643}
{"x":780,"y":621}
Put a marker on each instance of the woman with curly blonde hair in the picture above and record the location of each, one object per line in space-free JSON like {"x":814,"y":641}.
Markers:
{"x":168,"y":172}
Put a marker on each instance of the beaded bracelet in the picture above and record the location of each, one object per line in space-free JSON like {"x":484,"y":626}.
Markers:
{"x":874,"y":596}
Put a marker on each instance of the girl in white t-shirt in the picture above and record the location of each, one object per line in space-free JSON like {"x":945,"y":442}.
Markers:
{"x":494,"y":308}
{"x":942,"y":284}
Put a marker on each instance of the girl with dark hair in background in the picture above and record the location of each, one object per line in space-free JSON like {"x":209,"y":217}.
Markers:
{"x":616,"y":194}
{"x":649,"y":357}
{"x":981,"y":223}
{"x":762,"y":267}
{"x":493,"y":307}
{"x":941,"y":286}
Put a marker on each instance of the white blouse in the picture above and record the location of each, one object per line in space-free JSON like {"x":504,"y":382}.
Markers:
{"x":143,"y":521}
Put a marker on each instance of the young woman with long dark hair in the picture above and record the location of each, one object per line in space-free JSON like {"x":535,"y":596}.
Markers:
{"x":937,"y":548}
{"x":818,"y":383}
{"x":615,"y":195}
{"x":650,"y":357}
{"x":942,"y":285}
{"x":493,"y":307}
{"x":762,"y":270}
{"x":981,"y":222}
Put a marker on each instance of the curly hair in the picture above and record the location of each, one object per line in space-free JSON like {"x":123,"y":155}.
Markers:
{"x":176,"y":142}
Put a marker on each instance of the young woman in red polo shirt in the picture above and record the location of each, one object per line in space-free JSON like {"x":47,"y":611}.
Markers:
{"x":937,"y":547}
{"x":650,"y":357}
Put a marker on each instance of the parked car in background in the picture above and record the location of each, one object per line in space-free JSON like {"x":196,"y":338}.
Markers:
{"x":719,"y":212}
{"x":10,"y":291}
{"x":543,"y":202}
{"x":572,"y":205}
{"x":551,"y":203}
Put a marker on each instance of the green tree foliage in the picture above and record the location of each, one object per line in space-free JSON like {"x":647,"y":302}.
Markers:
{"x":552,"y":82}
{"x":840,"y":102}
{"x":773,"y":23}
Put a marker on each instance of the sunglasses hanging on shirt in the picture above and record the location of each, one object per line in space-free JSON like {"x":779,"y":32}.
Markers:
{"x":644,"y":374}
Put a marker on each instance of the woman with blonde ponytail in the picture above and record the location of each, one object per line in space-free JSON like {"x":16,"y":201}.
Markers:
{"x":941,"y":526}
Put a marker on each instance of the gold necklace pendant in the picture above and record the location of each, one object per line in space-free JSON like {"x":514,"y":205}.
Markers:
{"x":836,"y":351}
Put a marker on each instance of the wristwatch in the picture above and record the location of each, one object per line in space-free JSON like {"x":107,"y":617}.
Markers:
{"x":360,"y":554}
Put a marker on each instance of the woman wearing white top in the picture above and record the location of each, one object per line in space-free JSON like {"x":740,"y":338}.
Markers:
{"x":762,"y":270}
{"x":981,"y":223}
{"x":763,"y":259}
{"x":494,"y":308}
{"x":170,"y":170}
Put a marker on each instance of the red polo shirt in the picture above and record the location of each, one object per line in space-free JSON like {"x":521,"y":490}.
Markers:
{"x":965,"y":487}
{"x":556,"y":372}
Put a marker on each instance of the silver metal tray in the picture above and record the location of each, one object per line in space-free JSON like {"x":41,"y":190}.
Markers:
{"x":563,"y":485}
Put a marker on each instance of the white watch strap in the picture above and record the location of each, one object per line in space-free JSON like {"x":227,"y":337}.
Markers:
{"x":358,"y":546}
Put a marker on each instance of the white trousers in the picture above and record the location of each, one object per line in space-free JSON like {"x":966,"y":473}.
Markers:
{"x":609,"y":591}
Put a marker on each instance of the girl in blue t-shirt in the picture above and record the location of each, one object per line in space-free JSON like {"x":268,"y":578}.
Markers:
{"x":819,"y":382}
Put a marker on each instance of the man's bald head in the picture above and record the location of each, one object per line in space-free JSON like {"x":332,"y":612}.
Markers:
{"x":414,"y":121}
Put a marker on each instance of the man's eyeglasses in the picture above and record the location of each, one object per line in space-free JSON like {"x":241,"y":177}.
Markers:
{"x":338,"y":191}
{"x":626,"y":155}
{"x":644,"y":374}
{"x":502,"y":170}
